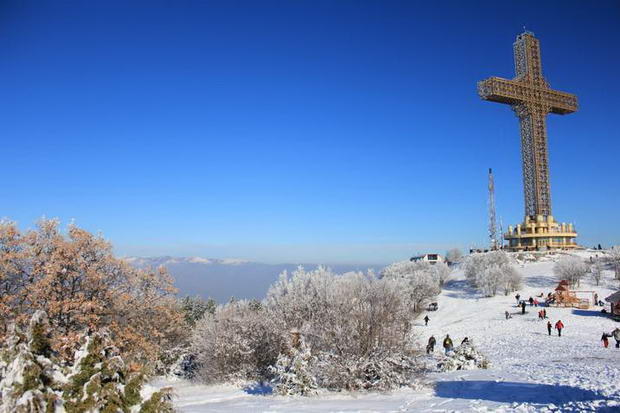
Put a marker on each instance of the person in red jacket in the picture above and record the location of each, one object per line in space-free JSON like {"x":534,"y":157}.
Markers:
{"x":559,"y":326}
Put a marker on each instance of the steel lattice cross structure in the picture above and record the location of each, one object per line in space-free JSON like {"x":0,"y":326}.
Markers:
{"x":532,"y":99}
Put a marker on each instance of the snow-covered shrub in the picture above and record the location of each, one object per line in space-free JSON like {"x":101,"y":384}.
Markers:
{"x":30,"y":377}
{"x":464,"y":357}
{"x":238,"y":342}
{"x":422,"y":280}
{"x":293,"y":372}
{"x":492,"y":272}
{"x":99,"y":380}
{"x":379,"y":370}
{"x":356,"y":331}
{"x":571,"y":269}
{"x":351,"y":322}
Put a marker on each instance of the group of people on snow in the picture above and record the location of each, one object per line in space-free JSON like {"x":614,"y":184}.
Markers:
{"x":448,"y":345}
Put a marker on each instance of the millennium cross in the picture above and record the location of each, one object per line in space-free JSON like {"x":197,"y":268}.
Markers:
{"x":532,"y":99}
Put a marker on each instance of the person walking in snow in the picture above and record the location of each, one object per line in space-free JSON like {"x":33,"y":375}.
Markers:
{"x":447,"y":344}
{"x":616,"y":334}
{"x":559,"y":326}
{"x":517,"y":297}
{"x":507,"y":314}
{"x":531,"y":300}
{"x":605,"y":340}
{"x":544,"y":313}
{"x":523,"y":307}
{"x":426,"y":319}
{"x":430,"y":347}
{"x":549,"y":327}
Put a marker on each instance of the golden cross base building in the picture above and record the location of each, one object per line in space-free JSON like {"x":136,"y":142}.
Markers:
{"x":532,"y":100}
{"x":540,"y":233}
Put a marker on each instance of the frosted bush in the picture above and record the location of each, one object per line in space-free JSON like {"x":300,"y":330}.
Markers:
{"x":571,"y":269}
{"x":420,"y":279}
{"x":293,"y":372}
{"x":356,"y":330}
{"x":492,"y":272}
{"x":238,"y":342}
{"x":464,"y":357}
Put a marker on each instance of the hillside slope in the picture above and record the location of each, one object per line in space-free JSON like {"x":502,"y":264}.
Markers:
{"x":531,"y":371}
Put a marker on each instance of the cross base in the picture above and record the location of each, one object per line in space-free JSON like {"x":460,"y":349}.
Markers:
{"x":540,"y":233}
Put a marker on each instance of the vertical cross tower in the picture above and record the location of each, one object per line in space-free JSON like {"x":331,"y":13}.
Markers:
{"x":532,"y":99}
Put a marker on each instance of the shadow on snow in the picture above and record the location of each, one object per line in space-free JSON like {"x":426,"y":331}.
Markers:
{"x":588,"y":313}
{"x":258,"y":389}
{"x":511,"y":392}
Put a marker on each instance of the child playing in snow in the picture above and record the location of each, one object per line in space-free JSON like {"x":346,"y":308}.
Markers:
{"x":605,"y":340}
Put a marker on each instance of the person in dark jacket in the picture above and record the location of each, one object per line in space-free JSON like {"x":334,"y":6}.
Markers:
{"x":447,"y":344}
{"x":507,"y":314}
{"x":426,"y":319}
{"x":430,"y":347}
{"x":523,"y":307}
{"x":549,"y":326}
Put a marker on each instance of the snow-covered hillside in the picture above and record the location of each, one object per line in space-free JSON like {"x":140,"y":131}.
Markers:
{"x":530,"y":370}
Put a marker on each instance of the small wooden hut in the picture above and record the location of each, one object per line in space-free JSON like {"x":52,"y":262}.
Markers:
{"x":614,"y":301}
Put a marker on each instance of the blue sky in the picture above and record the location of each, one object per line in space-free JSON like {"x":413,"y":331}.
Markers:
{"x":316,"y":131}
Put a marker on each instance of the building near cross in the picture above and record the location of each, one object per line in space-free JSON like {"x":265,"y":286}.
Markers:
{"x":532,"y":99}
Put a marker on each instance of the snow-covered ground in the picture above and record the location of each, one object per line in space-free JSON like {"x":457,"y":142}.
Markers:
{"x":531,"y":371}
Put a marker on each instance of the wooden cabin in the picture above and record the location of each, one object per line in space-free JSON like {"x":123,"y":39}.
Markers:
{"x":614,"y":301}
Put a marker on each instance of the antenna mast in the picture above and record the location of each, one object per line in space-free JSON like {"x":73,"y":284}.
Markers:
{"x":492,"y":220}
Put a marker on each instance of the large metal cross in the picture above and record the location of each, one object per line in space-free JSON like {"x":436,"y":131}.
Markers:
{"x":532,"y":99}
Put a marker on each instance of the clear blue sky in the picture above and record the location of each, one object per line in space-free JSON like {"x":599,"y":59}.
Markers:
{"x":323,"y":131}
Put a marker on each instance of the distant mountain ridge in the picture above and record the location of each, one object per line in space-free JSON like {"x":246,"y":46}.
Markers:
{"x":224,"y":278}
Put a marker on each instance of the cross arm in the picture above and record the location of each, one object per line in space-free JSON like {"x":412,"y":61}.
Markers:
{"x":497,"y":89}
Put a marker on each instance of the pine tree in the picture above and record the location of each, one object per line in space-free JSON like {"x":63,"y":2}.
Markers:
{"x":101,"y":381}
{"x":293,"y":371}
{"x":30,"y":377}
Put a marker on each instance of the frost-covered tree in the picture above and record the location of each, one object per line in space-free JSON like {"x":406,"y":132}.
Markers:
{"x":75,"y":278}
{"x":351,"y":322}
{"x":238,"y":342}
{"x":596,"y":270}
{"x":30,"y":376}
{"x":454,"y":256}
{"x":356,"y":328}
{"x":293,"y":372}
{"x":571,"y":269}
{"x":492,"y":272}
{"x":422,"y":281}
{"x":614,"y":255}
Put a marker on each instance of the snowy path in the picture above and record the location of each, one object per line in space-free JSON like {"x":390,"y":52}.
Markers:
{"x":530,"y":371}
